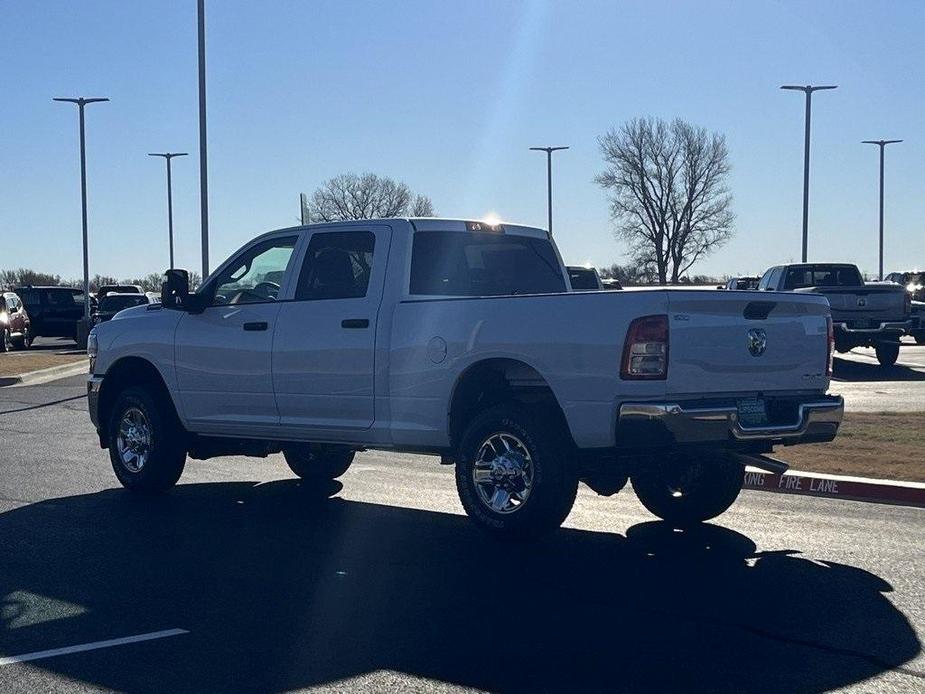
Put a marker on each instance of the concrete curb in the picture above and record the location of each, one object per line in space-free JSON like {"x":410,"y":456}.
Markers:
{"x":45,"y":375}
{"x":837,"y":487}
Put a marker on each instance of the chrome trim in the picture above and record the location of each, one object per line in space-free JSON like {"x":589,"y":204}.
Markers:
{"x":718,"y":423}
{"x":903,"y":326}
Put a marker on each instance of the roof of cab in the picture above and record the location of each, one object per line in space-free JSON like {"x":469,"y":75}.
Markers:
{"x":431,"y":224}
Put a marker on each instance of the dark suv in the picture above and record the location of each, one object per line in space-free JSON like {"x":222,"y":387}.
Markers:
{"x":15,"y":325}
{"x":55,"y":311}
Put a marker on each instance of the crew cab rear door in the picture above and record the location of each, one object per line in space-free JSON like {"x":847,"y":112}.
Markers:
{"x":325,"y":340}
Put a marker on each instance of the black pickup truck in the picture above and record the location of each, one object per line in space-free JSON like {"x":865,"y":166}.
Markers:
{"x":863,"y":315}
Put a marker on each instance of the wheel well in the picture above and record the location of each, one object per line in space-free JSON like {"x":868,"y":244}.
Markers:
{"x":125,"y":373}
{"x":493,"y":381}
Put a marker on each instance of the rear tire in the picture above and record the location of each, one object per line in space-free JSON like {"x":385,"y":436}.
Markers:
{"x":887,"y":353}
{"x":146,"y":443}
{"x":25,"y":342}
{"x":688,"y":489}
{"x":527,"y":485}
{"x":6,"y":341}
{"x":321,"y":463}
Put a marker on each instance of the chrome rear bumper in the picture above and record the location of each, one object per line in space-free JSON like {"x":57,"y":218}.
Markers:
{"x":816,"y":420}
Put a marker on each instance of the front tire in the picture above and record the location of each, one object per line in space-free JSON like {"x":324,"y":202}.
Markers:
{"x":6,"y":341}
{"x":321,"y":463}
{"x":688,"y":489}
{"x":146,"y":446}
{"x":513,"y":477}
{"x":887,"y":353}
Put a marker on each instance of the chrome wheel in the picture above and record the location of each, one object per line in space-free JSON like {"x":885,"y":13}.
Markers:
{"x":503,"y":473}
{"x":134,"y":439}
{"x":7,"y":342}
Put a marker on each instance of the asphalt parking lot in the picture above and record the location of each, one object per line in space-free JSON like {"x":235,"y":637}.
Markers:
{"x":244,"y":579}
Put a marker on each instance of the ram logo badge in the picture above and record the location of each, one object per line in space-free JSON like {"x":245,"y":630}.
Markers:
{"x":757,"y":341}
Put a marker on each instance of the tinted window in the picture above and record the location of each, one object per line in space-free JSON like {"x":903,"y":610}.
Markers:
{"x":65,"y":297}
{"x":452,"y":263}
{"x":337,"y":266}
{"x":582,"y":278}
{"x":255,"y":275}
{"x":30,"y":297}
{"x":823,"y":276}
{"x":117,"y":302}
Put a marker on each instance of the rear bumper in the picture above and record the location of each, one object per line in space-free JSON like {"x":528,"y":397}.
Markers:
{"x":898,"y":327}
{"x":815,"y":420}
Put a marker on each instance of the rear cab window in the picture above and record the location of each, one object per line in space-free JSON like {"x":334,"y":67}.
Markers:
{"x":480,"y":263}
{"x":801,"y":277}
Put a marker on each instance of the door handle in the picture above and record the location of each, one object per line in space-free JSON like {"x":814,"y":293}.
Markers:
{"x":355,"y":323}
{"x":254,"y":327}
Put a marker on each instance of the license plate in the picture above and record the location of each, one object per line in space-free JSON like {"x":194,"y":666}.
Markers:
{"x":752,"y":413}
{"x":862,"y":324}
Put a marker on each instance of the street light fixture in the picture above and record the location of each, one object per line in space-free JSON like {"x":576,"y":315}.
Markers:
{"x":167,"y":156}
{"x":549,"y":151}
{"x":882,"y":144}
{"x":808,"y":90}
{"x":81,"y":103}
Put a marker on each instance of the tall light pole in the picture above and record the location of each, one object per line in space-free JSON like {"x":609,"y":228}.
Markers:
{"x":549,"y":151}
{"x":167,"y":156}
{"x":882,"y":144}
{"x":203,"y":154}
{"x":81,"y":103}
{"x":808,"y":90}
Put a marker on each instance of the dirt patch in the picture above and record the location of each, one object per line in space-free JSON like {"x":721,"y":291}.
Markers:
{"x":19,"y":363}
{"x":883,"y":445}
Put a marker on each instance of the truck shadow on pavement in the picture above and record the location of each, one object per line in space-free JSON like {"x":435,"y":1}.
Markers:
{"x":283,"y":587}
{"x":850,"y":370}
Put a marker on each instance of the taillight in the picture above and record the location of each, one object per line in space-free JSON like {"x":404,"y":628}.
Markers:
{"x":829,"y":346}
{"x":645,"y":352}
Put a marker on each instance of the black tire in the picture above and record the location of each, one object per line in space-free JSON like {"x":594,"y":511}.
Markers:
{"x":688,"y":489}
{"x":25,"y":342}
{"x":887,"y":353}
{"x":6,"y":341}
{"x":553,"y":481}
{"x":166,"y":447}
{"x":313,"y":462}
{"x":919,"y":338}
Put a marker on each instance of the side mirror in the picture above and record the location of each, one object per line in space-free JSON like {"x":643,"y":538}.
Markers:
{"x":175,"y":292}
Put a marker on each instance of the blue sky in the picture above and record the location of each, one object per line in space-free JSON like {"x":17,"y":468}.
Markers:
{"x":448,"y":97}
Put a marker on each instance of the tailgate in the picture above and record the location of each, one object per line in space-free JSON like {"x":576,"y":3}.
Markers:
{"x":740,"y":342}
{"x":872,"y":303}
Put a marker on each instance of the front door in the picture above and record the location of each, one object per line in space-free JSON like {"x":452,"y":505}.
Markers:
{"x":224,"y":354}
{"x":324,"y":348}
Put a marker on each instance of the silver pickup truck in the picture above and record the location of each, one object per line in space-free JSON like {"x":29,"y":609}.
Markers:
{"x":863,"y":315}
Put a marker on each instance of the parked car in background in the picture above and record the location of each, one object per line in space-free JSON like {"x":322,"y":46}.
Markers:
{"x":863,"y":315}
{"x":118,"y":289}
{"x":113,"y":302}
{"x":54,"y":310}
{"x":742,"y":283}
{"x":612,"y":284}
{"x":583,"y":279}
{"x":914,"y":282}
{"x":462,"y":340}
{"x":15,"y":324}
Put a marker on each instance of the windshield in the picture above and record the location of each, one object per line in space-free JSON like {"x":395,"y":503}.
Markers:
{"x":823,"y":276}
{"x":117,"y":302}
{"x":451,"y":263}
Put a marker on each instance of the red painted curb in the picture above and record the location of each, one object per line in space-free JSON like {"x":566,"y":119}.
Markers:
{"x":837,"y":487}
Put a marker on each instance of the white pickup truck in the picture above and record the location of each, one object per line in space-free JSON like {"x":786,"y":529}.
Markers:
{"x":462,"y":339}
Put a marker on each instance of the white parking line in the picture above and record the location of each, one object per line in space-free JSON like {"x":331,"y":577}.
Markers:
{"x":36,"y":655}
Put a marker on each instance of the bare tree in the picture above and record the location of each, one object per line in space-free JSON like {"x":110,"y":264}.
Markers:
{"x":668,"y":193}
{"x":367,"y":196}
{"x":22,"y":276}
